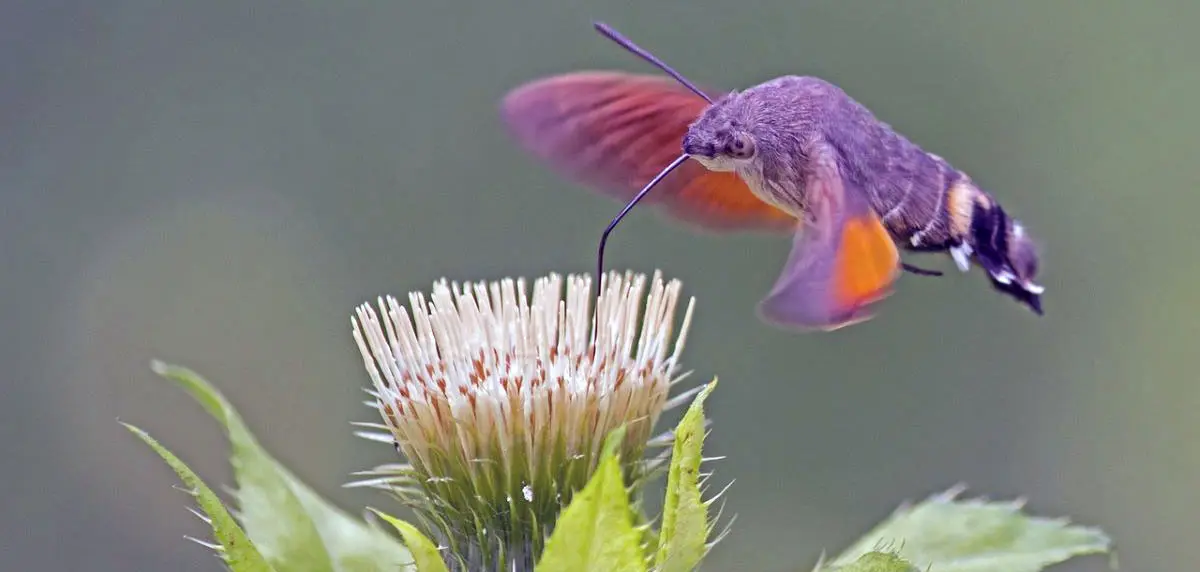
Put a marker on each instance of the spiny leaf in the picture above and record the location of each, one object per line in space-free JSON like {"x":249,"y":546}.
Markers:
{"x":685,"y":527}
{"x":424,"y":551}
{"x":595,"y":533}
{"x":237,"y":550}
{"x":948,"y":535}
{"x":879,"y":561}
{"x":293,"y":526}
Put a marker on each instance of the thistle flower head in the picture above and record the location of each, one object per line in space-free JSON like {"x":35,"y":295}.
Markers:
{"x":500,"y":402}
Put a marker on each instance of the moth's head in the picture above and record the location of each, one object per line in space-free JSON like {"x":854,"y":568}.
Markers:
{"x":1004,"y":248}
{"x":722,"y":138}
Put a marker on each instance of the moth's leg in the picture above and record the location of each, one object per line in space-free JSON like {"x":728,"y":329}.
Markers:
{"x":919,"y":271}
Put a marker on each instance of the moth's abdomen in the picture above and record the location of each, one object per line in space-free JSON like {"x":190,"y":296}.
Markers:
{"x":916,"y":194}
{"x":938,"y":211}
{"x":908,"y":193}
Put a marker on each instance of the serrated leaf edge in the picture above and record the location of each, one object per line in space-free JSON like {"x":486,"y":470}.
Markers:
{"x":233,"y":545}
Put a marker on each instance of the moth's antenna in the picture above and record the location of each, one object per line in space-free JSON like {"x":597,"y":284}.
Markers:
{"x":642,"y":193}
{"x":628,"y":44}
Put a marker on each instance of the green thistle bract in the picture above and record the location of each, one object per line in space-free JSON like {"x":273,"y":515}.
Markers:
{"x":500,"y":402}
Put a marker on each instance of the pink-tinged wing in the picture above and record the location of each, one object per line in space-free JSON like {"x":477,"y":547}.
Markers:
{"x":615,"y":131}
{"x":841,"y":262}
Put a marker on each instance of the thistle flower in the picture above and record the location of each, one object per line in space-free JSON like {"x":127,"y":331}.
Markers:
{"x":500,"y":403}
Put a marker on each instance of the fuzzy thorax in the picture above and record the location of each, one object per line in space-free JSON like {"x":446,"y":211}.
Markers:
{"x":500,"y":402}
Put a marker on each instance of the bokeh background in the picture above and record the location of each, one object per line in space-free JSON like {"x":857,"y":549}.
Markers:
{"x":218,"y":184}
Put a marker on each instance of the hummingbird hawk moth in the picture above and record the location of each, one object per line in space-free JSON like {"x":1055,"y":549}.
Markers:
{"x":793,"y":154}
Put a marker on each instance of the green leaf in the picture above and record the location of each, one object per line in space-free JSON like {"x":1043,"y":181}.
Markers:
{"x":948,"y":535}
{"x":237,"y":550}
{"x":612,"y":443}
{"x":880,"y":562}
{"x":685,"y":527}
{"x":424,"y":551}
{"x":595,"y":532}
{"x":293,"y":526}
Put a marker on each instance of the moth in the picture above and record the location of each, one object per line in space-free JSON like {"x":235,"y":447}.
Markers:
{"x":793,"y":154}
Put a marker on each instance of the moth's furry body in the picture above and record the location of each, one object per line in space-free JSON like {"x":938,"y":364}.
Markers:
{"x":794,"y":118}
{"x":925,"y":203}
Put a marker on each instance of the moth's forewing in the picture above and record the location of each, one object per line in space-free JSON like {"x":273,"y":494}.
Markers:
{"x":615,"y":131}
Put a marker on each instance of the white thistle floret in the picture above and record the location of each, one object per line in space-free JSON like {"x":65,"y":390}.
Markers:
{"x":504,"y":400}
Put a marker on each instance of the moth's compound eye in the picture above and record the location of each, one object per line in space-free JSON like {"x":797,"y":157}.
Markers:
{"x":741,"y":146}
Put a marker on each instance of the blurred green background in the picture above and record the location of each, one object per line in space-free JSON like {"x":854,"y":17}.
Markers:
{"x":219,"y":184}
